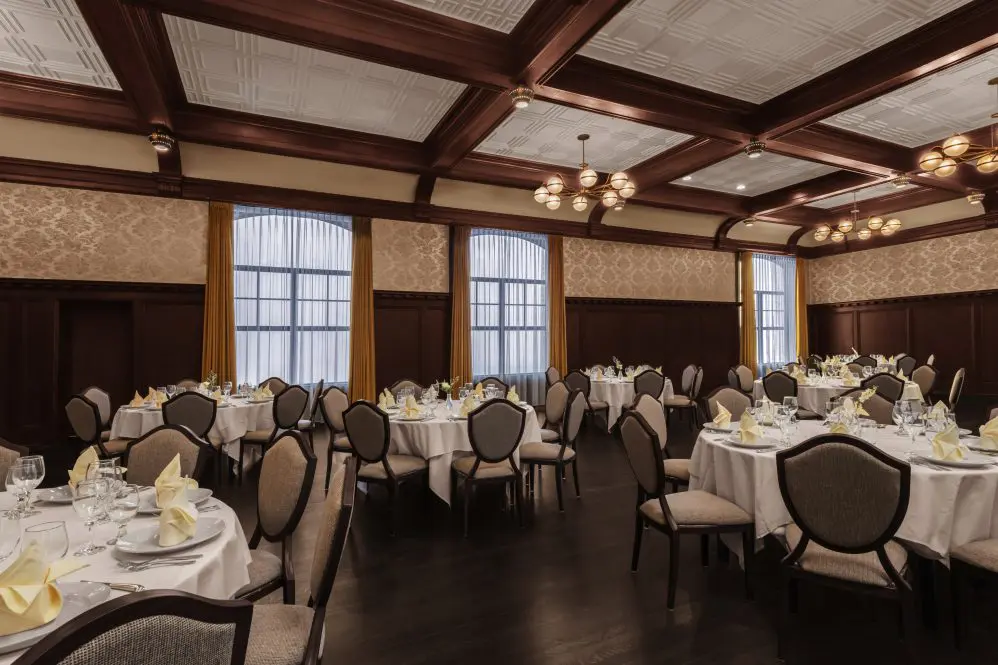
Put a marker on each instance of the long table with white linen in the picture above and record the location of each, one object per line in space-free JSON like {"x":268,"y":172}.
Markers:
{"x":811,"y":396}
{"x":619,"y":393}
{"x":947,"y":509}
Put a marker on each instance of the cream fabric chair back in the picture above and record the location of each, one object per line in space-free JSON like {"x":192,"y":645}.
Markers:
{"x":332,"y":531}
{"x":555,"y":402}
{"x":495,"y":383}
{"x":956,"y":389}
{"x":289,"y":405}
{"x":103,"y":402}
{"x":925,"y":377}
{"x":686,"y":381}
{"x":192,"y":410}
{"x":495,"y":429}
{"x":276,"y":384}
{"x":653,"y":413}
{"x":888,"y":386}
{"x":572,"y":423}
{"x":147,"y":456}
{"x":552,"y":375}
{"x":644,"y":453}
{"x":745,"y":378}
{"x":286,"y":474}
{"x":735,"y":401}
{"x":84,"y":418}
{"x":576,"y":380}
{"x":332,"y":404}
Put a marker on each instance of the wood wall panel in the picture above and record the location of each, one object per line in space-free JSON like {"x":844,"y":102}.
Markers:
{"x":411,"y":337}
{"x":883,"y":331}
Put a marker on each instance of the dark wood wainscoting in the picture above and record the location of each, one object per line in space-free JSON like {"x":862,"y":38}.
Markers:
{"x":961,"y":329}
{"x":58,"y":337}
{"x":670,"y":333}
{"x":411,"y":337}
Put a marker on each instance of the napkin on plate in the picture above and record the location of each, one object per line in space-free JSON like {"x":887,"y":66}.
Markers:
{"x":389,"y":400}
{"x":946,"y":445}
{"x":912,"y":391}
{"x":513,"y":396}
{"x":83,"y":462}
{"x":749,"y":430}
{"x":217,"y":395}
{"x":938,"y":411}
{"x":137,"y":401}
{"x":989,"y":434}
{"x":178,"y":521}
{"x":267,"y":392}
{"x":411,"y":408}
{"x":479,"y":391}
{"x":839,"y":427}
{"x":382,"y":402}
{"x":901,"y":375}
{"x":28,"y":595}
{"x":153,"y":395}
{"x":598,"y":375}
{"x":170,"y":483}
{"x":768,"y":412}
{"x":659,"y":369}
{"x":468,"y":405}
{"x":723,"y":417}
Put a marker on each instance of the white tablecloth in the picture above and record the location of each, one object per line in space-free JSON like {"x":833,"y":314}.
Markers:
{"x":811,"y":397}
{"x":438,"y":439}
{"x":231,"y":422}
{"x":619,"y":393}
{"x":947,"y":509}
{"x":219,"y":573}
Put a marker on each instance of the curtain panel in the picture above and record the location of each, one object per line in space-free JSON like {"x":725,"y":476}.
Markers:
{"x":802,"y":295}
{"x":558,"y":334}
{"x":219,"y":345}
{"x":748,"y":313}
{"x":362,"y":314}
{"x":460,"y":326}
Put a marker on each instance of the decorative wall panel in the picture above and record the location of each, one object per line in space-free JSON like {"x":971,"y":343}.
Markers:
{"x":411,"y":256}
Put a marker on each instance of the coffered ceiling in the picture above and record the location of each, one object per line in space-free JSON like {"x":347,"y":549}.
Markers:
{"x":865,"y":194}
{"x":496,"y":14}
{"x":761,"y":175}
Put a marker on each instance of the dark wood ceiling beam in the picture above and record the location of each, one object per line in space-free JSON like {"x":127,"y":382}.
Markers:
{"x":903,"y":199}
{"x":816,"y":189}
{"x":847,"y":150}
{"x":685,"y":158}
{"x":67,"y":103}
{"x":800,"y":215}
{"x":692,"y":199}
{"x":721,"y":234}
{"x":469,"y":121}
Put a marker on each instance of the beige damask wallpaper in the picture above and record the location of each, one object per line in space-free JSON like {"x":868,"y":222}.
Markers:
{"x":598,"y":269}
{"x":942,"y":265}
{"x":54,"y":233}
{"x":410,"y":256}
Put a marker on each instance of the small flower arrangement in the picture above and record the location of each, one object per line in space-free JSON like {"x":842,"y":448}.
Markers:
{"x":446,"y":385}
{"x":616,"y":363}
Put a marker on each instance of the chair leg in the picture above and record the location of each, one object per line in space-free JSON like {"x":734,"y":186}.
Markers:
{"x":392,"y":506}
{"x":558,"y":482}
{"x":329,"y":460}
{"x":704,"y":550}
{"x":639,"y":529}
{"x":673,"y":570}
{"x":533,"y":481}
{"x":787,"y":606}
{"x":240,"y":462}
{"x":958,"y":589}
{"x":518,"y":488}
{"x":467,"y":503}
{"x":575,"y":477}
{"x":910,"y":621}
{"x":748,"y":559}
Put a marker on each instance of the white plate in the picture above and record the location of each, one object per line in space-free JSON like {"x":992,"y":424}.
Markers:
{"x":737,"y":443}
{"x":417,"y":419}
{"x":971,"y":461}
{"x":77,"y":598}
{"x":62,"y":494}
{"x":147,"y":502}
{"x":146,"y":540}
{"x":456,"y":417}
{"x":259,"y":401}
{"x":711,"y":427}
{"x":965,"y":432}
{"x":972,"y":443}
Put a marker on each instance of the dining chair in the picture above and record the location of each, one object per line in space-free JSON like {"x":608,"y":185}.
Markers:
{"x":84,"y":419}
{"x":649,"y":382}
{"x":276,"y":384}
{"x":971,"y":565}
{"x":956,"y":388}
{"x":293,"y":634}
{"x":907,"y":365}
{"x":791,"y":366}
{"x":103,"y":401}
{"x":332,"y":403}
{"x":888,"y":386}
{"x":308,"y":425}
{"x":880,"y":408}
{"x":864,"y":361}
{"x":147,"y":456}
{"x":494,"y":430}
{"x":286,"y":474}
{"x":496,"y":383}
{"x":188,"y":384}
{"x":559,"y":455}
{"x":551,"y":376}
{"x":554,"y":411}
{"x":735,"y":401}
{"x":289,"y":405}
{"x":746,"y":379}
{"x":813,"y":362}
{"x":9,"y":453}
{"x":855,"y":368}
{"x":369,"y":432}
{"x":847,"y":500}
{"x":925,"y":376}
{"x":677,"y":469}
{"x":150,"y":628}
{"x":690,"y":383}
{"x":680,"y":513}
{"x":197,"y":413}
{"x":401,"y":384}
{"x":576,"y":380}
{"x":778,"y":385}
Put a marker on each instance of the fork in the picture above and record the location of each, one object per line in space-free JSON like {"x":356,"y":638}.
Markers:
{"x":139,"y":567}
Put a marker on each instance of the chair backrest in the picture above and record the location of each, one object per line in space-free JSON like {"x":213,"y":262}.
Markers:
{"x":495,"y":430}
{"x":193,"y":410}
{"x":313,"y":400}
{"x":368,"y":429}
{"x":276,"y":384}
{"x":956,"y":389}
{"x":925,"y":377}
{"x":855,"y":368}
{"x":778,"y":385}
{"x":148,"y":455}
{"x":888,"y":386}
{"x":417,"y":389}
{"x":791,"y":366}
{"x":187,"y":384}
{"x":572,"y":422}
{"x":993,"y":414}
{"x":552,"y":376}
{"x":734,"y":400}
{"x":907,"y":365}
{"x":865,"y":361}
{"x":733,"y":381}
{"x":332,"y":403}
{"x":289,"y":405}
{"x":686,"y":379}
{"x":653,"y":413}
{"x":813,"y":362}
{"x":577,"y":380}
{"x":746,"y":379}
{"x":644,"y":452}
{"x":496,"y":383}
{"x":844,"y":494}
{"x":103,"y":402}
{"x":555,"y":402}
{"x":697,"y":383}
{"x":880,"y":408}
{"x":9,"y":453}
{"x":931,"y":360}
{"x":331,"y":532}
{"x":649,"y":382}
{"x":152,"y":628}
{"x":84,"y":418}
{"x":286,"y":474}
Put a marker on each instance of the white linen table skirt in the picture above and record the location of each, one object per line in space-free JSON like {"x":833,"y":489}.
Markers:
{"x":947,"y":509}
{"x":810,"y":397}
{"x":619,"y":393}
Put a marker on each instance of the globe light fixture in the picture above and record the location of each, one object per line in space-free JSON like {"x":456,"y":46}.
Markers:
{"x":942,"y":160}
{"x":611,"y":193}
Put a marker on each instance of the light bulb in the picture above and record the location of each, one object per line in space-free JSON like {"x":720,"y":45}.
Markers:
{"x":553,"y":202}
{"x":628,"y":190}
{"x":588,"y":178}
{"x":946,"y":167}
{"x":875,"y":223}
{"x":620,"y":205}
{"x":610,"y":198}
{"x":845,"y":226}
{"x":820,"y":237}
{"x":887,"y":231}
{"x":823,"y":228}
{"x":580,"y":202}
{"x":555,"y":184}
{"x":893,"y":224}
{"x":618,"y":180}
{"x":956,"y":145}
{"x":930,"y":160}
{"x":988,"y":163}
{"x":541,"y":194}
{"x":864,"y":234}
{"x":975,"y":198}
{"x":838,"y":236}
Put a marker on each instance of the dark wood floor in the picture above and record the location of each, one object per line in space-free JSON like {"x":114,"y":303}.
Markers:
{"x":560,"y":591}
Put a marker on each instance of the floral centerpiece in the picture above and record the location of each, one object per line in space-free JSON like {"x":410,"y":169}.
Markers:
{"x":210,"y":382}
{"x":446,"y":386}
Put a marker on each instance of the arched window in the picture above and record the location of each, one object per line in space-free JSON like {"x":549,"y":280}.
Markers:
{"x":292,"y":295}
{"x":774,"y":280}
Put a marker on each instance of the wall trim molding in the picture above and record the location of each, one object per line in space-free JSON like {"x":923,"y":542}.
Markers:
{"x":900,"y":300}
{"x":647,"y":302}
{"x":92,"y":286}
{"x":411,"y":295}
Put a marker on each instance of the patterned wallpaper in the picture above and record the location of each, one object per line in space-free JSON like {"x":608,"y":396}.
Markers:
{"x":54,"y":233}
{"x":941,"y":265}
{"x":410,"y":256}
{"x":598,"y":269}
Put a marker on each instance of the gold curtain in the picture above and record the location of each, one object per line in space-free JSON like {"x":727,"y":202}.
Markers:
{"x":557,"y":332}
{"x":218,"y":352}
{"x":748,"y":314}
{"x":361,"y":384}
{"x":460,"y":293}
{"x":801,"y":298}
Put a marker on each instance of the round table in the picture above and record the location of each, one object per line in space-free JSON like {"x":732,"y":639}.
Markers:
{"x":811,"y":396}
{"x":219,"y":573}
{"x":437,"y":440}
{"x":947,"y":509}
{"x":619,"y":393}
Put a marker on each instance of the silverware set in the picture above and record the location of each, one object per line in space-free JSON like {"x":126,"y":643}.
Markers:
{"x":159,"y":562}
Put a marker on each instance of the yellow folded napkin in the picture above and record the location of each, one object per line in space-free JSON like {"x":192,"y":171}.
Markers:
{"x":28,"y":596}
{"x":723,"y":417}
{"x":912,"y":391}
{"x":178,"y":521}
{"x":513,"y":396}
{"x":171,"y":484}
{"x":938,"y":411}
{"x":659,"y":369}
{"x":846,"y":373}
{"x":389,"y":399}
{"x":83,"y":462}
{"x":867,"y":394}
{"x":411,"y":408}
{"x":900,"y":375}
{"x":468,"y":405}
{"x":989,"y":434}
{"x":151,"y":397}
{"x":217,"y":395}
{"x":137,"y":401}
{"x":749,"y":430}
{"x":382,"y":402}
{"x":838,"y":427}
{"x":267,"y":392}
{"x":598,"y":375}
{"x":479,"y":391}
{"x":946,"y":445}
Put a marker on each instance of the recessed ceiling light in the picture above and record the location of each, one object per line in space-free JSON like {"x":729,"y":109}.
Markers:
{"x":740,"y":186}
{"x":687,"y":178}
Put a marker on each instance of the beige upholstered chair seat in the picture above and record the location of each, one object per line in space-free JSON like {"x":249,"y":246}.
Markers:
{"x":402,"y":465}
{"x":305,"y":425}
{"x":678,"y":400}
{"x":264,"y":567}
{"x":863,"y":568}
{"x":105,"y":435}
{"x":342,"y":441}
{"x":278,"y":634}
{"x":116,"y":446}
{"x":549,"y":435}
{"x":502,"y":469}
{"x":598,"y":404}
{"x":543,"y":451}
{"x":258,"y":435}
{"x":677,"y":468}
{"x":696,"y":507}
{"x":983,"y":554}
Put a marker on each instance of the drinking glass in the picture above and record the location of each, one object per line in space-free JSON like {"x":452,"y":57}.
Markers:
{"x":463,"y":393}
{"x":781,"y":416}
{"x":16,"y":487}
{"x":791,"y":405}
{"x":913,"y":417}
{"x":812,"y":374}
{"x":88,"y":502}
{"x":124,"y":506}
{"x":898,"y":415}
{"x":867,"y":371}
{"x":50,"y":537}
{"x":10,"y":533}
{"x":161,"y":389}
{"x":171,"y":390}
{"x":34,"y":476}
{"x":227,"y":388}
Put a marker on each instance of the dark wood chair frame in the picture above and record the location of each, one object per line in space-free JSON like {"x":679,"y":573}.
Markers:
{"x":659,"y":374}
{"x":864,"y":361}
{"x":286,"y":580}
{"x":694,"y":396}
{"x":309,"y":427}
{"x":396,"y":385}
{"x":588,"y":390}
{"x":221,"y":463}
{"x":791,"y":573}
{"x":560,"y":463}
{"x":278,"y":426}
{"x":495,"y":380}
{"x":963,"y":577}
{"x":205,"y":450}
{"x":332,"y":447}
{"x":899,"y":385}
{"x":673,"y":531}
{"x":96,"y":441}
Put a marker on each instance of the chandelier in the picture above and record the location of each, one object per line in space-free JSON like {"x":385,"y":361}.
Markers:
{"x":942,"y":160}
{"x":888,"y":228}
{"x":613,"y":193}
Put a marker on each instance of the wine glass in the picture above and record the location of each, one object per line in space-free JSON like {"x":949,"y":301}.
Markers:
{"x":867,"y":371}
{"x":898,"y":416}
{"x":912,"y":417}
{"x":16,"y":487}
{"x":227,"y":389}
{"x":10,"y":533}
{"x":25,"y":475}
{"x":88,"y":502}
{"x":50,"y":537}
{"x":124,"y":506}
{"x":791,"y":405}
{"x":171,"y":390}
{"x":34,"y":474}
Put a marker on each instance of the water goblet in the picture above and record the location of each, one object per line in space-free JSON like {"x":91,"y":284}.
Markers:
{"x":898,"y":416}
{"x":88,"y":502}
{"x":781,"y":416}
{"x":171,"y":390}
{"x":10,"y":533}
{"x":227,"y":389}
{"x":912,"y":418}
{"x":16,"y":487}
{"x":791,"y":405}
{"x":33,"y":478}
{"x":50,"y":537}
{"x":124,"y":506}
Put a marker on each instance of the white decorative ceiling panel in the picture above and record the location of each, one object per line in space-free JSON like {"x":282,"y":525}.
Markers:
{"x":50,"y":39}
{"x":496,"y":14}
{"x":755,"y":176}
{"x":234,"y":70}
{"x":754,"y":49}
{"x":874,"y":192}
{"x":545,"y":132}
{"x":953,"y":100}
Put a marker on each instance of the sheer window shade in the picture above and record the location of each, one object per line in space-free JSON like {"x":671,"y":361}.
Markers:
{"x":509,"y":309}
{"x":292,"y":294}
{"x":774,"y":279}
